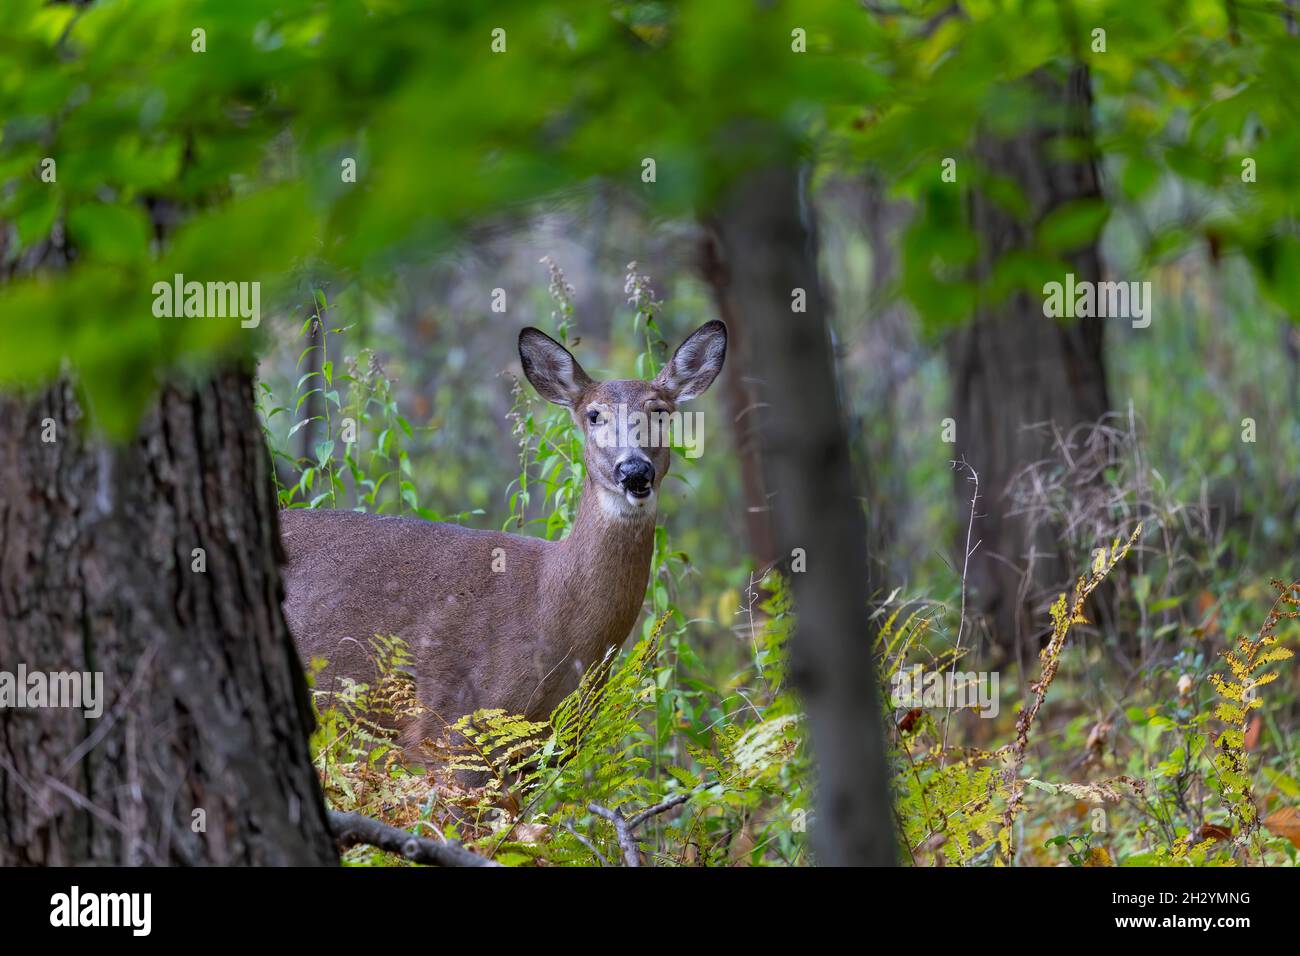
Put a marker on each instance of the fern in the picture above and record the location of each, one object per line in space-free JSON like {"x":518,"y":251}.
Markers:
{"x":1064,"y":617}
{"x":963,"y":803}
{"x":1238,"y":697}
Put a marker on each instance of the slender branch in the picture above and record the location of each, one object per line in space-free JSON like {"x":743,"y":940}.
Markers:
{"x":625,"y":827}
{"x":587,"y":843}
{"x":661,"y":807}
{"x":961,"y":623}
{"x":351,"y":829}
{"x":626,"y":842}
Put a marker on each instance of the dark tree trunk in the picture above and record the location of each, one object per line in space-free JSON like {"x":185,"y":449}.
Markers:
{"x":205,"y":705}
{"x":770,"y":251}
{"x":1012,"y":367}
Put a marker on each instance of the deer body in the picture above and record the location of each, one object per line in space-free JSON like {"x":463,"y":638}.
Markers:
{"x":494,"y":619}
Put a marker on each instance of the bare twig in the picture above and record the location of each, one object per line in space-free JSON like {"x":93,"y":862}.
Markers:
{"x":961,"y":623}
{"x":623,"y":830}
{"x":352,"y":828}
{"x":664,"y":805}
{"x":625,"y":827}
{"x":587,"y":843}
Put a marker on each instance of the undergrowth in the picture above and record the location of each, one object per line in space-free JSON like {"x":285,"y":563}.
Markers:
{"x":1181,"y":780}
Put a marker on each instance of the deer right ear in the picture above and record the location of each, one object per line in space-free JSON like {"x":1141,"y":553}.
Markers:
{"x":555,"y":373}
{"x":696,"y":363}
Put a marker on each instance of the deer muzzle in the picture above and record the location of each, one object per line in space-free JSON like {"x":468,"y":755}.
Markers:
{"x":635,"y":475}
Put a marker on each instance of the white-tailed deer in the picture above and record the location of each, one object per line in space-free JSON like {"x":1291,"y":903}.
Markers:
{"x":495,"y":619}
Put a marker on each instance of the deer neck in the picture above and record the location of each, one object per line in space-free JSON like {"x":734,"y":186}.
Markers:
{"x":596,"y":577}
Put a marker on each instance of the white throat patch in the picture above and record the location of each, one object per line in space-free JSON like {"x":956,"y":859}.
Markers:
{"x":625,"y":507}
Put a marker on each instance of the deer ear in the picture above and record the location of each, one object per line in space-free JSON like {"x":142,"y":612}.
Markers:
{"x":555,"y":373}
{"x":696,"y":363}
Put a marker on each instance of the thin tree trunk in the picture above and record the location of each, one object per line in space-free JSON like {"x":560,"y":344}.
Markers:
{"x":770,"y":251}
{"x":200,"y":755}
{"x":1012,"y":367}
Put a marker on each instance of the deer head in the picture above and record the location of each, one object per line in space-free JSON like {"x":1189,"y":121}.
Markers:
{"x":626,"y":424}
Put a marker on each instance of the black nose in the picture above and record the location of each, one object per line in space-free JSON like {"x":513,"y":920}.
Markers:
{"x":636,"y":475}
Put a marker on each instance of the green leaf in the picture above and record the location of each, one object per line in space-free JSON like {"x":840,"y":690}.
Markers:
{"x":303,"y":397}
{"x":113,"y":234}
{"x":299,"y":425}
{"x":1073,"y":226}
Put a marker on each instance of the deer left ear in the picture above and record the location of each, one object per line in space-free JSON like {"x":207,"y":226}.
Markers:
{"x":696,"y":363}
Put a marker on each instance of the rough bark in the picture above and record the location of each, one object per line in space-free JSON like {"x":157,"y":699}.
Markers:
{"x":205,"y":702}
{"x":770,"y":250}
{"x":1011,"y":367}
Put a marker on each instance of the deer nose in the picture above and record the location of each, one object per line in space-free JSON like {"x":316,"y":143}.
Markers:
{"x":636,"y":475}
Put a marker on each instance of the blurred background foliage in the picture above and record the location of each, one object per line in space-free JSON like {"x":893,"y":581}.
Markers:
{"x":472,"y":165}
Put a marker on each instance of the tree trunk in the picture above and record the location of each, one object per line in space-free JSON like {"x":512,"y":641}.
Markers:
{"x":200,"y":755}
{"x":1012,"y":367}
{"x":770,"y":251}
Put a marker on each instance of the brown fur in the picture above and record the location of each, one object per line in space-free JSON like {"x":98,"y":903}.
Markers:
{"x":518,"y":639}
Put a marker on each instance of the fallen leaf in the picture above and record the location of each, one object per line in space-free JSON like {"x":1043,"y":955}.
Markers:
{"x":1096,"y":745}
{"x":1205,"y":604}
{"x":531,"y":832}
{"x":1213,"y":831}
{"x":1284,"y":823}
{"x":906,"y":722}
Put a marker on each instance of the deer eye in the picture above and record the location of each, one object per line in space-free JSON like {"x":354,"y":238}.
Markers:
{"x":593,"y":416}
